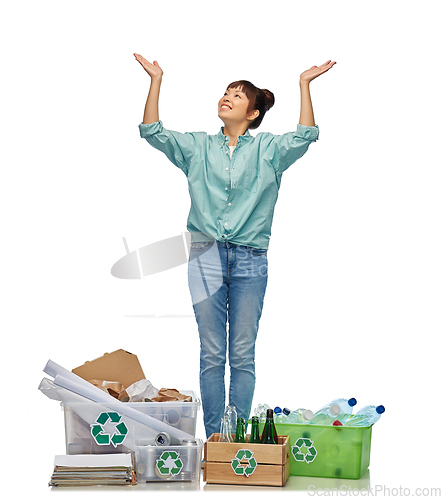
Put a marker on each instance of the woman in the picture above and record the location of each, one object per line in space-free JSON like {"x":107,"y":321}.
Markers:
{"x":233,"y":180}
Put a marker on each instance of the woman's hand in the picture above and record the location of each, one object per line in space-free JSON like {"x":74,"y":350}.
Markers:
{"x":315,"y":71}
{"x":153,"y":70}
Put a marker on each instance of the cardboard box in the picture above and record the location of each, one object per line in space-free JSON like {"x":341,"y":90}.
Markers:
{"x":246,"y":463}
{"x":118,"y":366}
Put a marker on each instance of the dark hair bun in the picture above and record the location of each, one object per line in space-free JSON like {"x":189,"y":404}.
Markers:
{"x":270,"y":98}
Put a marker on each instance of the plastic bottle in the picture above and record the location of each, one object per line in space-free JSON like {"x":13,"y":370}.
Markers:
{"x":345,"y":406}
{"x":261,"y":410}
{"x":277,"y":411}
{"x":281,"y":418}
{"x":254,"y":434}
{"x":366,"y":416}
{"x":300,"y":416}
{"x":326,"y":415}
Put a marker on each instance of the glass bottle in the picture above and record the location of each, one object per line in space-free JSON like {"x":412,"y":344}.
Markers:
{"x":240,"y":431}
{"x":269,"y":435}
{"x":230,"y":412}
{"x":225,"y":434}
{"x":254,"y":433}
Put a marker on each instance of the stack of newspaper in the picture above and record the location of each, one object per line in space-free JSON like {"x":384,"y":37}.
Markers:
{"x":90,"y":470}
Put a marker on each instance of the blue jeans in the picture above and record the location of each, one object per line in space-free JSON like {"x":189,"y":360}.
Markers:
{"x":227,"y":283}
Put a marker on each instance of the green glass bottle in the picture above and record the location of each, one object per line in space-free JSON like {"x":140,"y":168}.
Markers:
{"x":269,"y":435}
{"x":254,"y":434}
{"x":240,"y":431}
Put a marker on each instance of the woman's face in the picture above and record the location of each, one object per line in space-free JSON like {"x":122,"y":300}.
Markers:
{"x":233,"y":106}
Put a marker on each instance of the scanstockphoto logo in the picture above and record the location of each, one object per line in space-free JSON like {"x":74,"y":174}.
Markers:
{"x":205,"y":269}
{"x":378,"y":490}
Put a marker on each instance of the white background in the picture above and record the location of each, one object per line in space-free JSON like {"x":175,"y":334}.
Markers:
{"x":354,"y":294}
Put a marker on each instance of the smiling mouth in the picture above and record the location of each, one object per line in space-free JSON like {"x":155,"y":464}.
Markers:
{"x":225,"y":106}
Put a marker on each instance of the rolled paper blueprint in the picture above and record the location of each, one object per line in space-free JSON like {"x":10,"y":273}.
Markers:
{"x":74,"y":383}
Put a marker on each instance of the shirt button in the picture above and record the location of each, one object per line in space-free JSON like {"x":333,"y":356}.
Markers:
{"x":229,"y":204}
{"x":227,"y":169}
{"x":225,"y":223}
{"x":226,"y":189}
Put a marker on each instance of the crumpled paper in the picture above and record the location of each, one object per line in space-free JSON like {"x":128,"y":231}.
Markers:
{"x":142,"y":390}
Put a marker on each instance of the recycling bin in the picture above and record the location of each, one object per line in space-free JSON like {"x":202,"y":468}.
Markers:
{"x":91,"y":428}
{"x":327,"y":450}
{"x":169,"y":463}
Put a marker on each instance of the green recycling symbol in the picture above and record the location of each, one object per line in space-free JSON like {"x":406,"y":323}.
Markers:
{"x":309,"y":455}
{"x":103,"y":438}
{"x":169,"y":463}
{"x":248,"y":469}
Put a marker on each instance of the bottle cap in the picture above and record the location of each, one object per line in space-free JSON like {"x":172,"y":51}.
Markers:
{"x":277,"y":410}
{"x":380,"y":409}
{"x":334,"y":409}
{"x":269,"y":413}
{"x":307,"y":414}
{"x":286,"y":411}
{"x":352,"y":402}
{"x":336,"y":422}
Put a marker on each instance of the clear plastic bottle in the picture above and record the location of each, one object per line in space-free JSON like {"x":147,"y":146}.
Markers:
{"x":300,"y":416}
{"x":261,"y":411}
{"x":345,"y":406}
{"x":326,"y":415}
{"x":365,"y":417}
{"x":281,"y":418}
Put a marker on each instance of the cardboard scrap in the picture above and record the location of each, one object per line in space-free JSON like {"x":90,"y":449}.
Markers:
{"x":171,"y":395}
{"x":116,"y":371}
{"x":114,"y":389}
{"x":120,"y":365}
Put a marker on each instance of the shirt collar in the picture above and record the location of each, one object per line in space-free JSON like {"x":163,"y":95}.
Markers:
{"x":225,"y":139}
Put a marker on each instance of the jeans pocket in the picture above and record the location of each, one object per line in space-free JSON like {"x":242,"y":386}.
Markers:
{"x":257,"y":251}
{"x":199,"y":246}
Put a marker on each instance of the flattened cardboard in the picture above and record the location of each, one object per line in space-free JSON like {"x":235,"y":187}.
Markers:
{"x":119,"y":366}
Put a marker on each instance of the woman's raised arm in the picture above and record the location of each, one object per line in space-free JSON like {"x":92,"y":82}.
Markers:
{"x":307,"y":118}
{"x":151,"y":113}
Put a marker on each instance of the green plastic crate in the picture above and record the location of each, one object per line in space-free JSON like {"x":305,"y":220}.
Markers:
{"x":327,"y":450}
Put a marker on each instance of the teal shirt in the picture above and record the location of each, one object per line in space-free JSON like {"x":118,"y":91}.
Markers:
{"x":232,"y":199}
